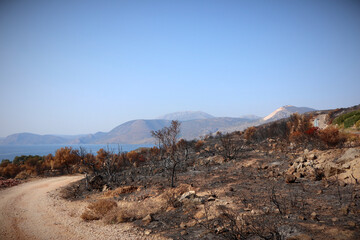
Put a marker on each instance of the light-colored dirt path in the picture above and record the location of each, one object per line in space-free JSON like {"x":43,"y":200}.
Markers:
{"x":33,"y":211}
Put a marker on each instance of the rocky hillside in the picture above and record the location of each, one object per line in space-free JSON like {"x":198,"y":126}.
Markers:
{"x":286,"y":111}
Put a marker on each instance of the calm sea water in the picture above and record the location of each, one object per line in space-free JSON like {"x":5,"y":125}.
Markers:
{"x":11,"y":151}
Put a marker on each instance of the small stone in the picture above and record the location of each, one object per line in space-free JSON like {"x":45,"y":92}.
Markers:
{"x":191,"y":223}
{"x":334,"y":219}
{"x":291,"y":170}
{"x":314,"y":216}
{"x":148,"y":232}
{"x":105,"y":188}
{"x":169,"y":209}
{"x":290,"y":178}
{"x":298,"y":175}
{"x":200,"y":215}
{"x":351,"y":224}
{"x":299,"y":160}
{"x":183,"y":233}
{"x":148,"y":219}
{"x":344,"y":210}
{"x":183,"y":225}
{"x":319,"y":192}
{"x":346,"y":166}
{"x":190,"y":194}
{"x":301,"y":217}
{"x":211,"y":199}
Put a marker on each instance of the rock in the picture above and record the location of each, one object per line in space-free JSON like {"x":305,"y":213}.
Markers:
{"x":256,"y":212}
{"x":314,"y":216}
{"x":216,"y":159}
{"x":200,"y":214}
{"x":207,"y":149}
{"x":344,"y":210}
{"x":331,"y":169}
{"x":105,"y":188}
{"x":300,"y":166}
{"x":319,"y":192}
{"x":183,"y":233}
{"x":266,"y":210}
{"x":148,"y":232}
{"x":169,"y":209}
{"x":187,"y":195}
{"x":291,"y":170}
{"x":264,"y":166}
{"x":191,"y":223}
{"x":349,"y":155}
{"x":148,"y":219}
{"x":274,"y":164}
{"x":211,"y":199}
{"x":334,"y":219}
{"x":300,"y":160}
{"x":351,"y":224}
{"x":290,"y":178}
{"x":301,"y":217}
{"x":312,"y":156}
{"x":286,"y":231}
{"x":346,"y":166}
{"x":183,"y":225}
{"x":299,"y":175}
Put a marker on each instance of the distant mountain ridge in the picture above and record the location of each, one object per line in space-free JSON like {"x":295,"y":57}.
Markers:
{"x":30,"y":138}
{"x":186,"y":116}
{"x":194,"y":124}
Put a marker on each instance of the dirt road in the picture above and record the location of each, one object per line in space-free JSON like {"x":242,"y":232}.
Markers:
{"x":33,"y":211}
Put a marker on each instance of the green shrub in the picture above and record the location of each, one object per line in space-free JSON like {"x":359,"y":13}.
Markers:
{"x":342,"y":118}
{"x":357,"y":124}
{"x":349,"y":122}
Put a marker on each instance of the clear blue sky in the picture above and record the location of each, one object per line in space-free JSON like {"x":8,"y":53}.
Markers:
{"x":73,"y":67}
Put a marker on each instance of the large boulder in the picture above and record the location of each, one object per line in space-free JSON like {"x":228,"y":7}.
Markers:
{"x":349,"y":155}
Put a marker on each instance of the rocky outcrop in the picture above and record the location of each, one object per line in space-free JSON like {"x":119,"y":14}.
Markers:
{"x":343,"y":164}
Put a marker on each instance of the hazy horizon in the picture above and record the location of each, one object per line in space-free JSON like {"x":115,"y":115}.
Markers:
{"x":79,"y":67}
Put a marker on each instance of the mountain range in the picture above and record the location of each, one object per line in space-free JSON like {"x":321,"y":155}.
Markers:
{"x":194,"y":124}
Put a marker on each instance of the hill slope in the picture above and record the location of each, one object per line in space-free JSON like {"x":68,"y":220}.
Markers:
{"x":286,"y":111}
{"x":186,"y":116}
{"x":30,"y":138}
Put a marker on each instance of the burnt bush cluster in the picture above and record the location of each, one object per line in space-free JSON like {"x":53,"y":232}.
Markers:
{"x":68,"y":160}
{"x":299,"y":130}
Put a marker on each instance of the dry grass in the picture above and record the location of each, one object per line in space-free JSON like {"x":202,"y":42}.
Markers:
{"x":128,"y":211}
{"x":120,"y":190}
{"x":98,"y":209}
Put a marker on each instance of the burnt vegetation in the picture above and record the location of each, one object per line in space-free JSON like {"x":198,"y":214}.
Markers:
{"x":282,"y":180}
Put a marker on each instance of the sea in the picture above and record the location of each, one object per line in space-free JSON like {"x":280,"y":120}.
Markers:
{"x":11,"y":151}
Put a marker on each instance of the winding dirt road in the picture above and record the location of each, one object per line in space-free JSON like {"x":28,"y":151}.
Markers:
{"x":34,"y":211}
